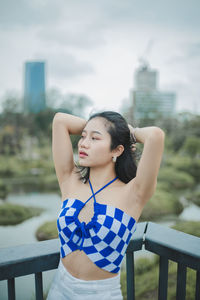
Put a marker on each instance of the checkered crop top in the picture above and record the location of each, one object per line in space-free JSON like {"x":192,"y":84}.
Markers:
{"x":104,"y":239}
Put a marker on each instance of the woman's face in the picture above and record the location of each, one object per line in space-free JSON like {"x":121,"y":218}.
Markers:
{"x":95,"y":141}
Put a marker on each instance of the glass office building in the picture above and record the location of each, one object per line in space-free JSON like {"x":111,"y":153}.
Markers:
{"x":34,"y":87}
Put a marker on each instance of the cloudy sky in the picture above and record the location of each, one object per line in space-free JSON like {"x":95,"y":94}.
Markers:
{"x":93,"y":47}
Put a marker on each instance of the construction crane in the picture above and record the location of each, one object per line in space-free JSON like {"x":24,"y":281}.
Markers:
{"x":144,"y":64}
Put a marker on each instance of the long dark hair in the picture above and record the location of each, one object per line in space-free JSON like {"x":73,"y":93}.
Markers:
{"x":125,"y":166}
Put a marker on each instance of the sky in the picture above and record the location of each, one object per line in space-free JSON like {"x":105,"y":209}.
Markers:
{"x":94,"y":47}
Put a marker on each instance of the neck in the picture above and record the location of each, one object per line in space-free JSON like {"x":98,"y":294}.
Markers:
{"x":101,"y":175}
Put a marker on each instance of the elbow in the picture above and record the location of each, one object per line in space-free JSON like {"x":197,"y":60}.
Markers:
{"x":159,"y":132}
{"x":58,"y":117}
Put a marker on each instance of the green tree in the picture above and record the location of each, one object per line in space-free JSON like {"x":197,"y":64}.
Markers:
{"x":191,"y":146}
{"x":76,"y":104}
{"x":176,"y":179}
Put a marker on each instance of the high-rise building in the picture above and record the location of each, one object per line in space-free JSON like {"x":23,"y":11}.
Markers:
{"x":34,"y":87}
{"x":145,"y":79}
{"x":148,"y":101}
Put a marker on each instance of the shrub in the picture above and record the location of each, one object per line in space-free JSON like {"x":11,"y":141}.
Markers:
{"x":161,"y":203}
{"x":194,"y":197}
{"x":190,"y":165}
{"x":189,"y":227}
{"x":176,"y":179}
{"x":12,"y":214}
{"x":4,"y":189}
{"x":47,"y":231}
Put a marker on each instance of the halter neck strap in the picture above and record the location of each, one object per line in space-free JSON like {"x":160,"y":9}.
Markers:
{"x":93,"y":194}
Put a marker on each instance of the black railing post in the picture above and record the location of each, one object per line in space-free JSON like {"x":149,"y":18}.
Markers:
{"x":163,"y":278}
{"x":38,"y":286}
{"x":197,"y":294}
{"x":130,"y":278}
{"x":11,"y":289}
{"x":181,"y":282}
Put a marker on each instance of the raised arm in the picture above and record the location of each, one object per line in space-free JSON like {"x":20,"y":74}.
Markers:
{"x":63,"y":125}
{"x":144,"y":184}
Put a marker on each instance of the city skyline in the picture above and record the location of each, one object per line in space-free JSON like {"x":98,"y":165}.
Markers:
{"x":96,"y":53}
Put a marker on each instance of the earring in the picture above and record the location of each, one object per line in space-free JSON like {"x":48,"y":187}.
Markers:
{"x":114,"y":158}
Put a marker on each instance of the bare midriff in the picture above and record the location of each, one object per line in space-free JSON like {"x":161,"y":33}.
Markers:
{"x":80,"y":266}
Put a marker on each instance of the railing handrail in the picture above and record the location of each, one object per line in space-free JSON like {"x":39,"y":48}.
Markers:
{"x":22,"y":260}
{"x":168,"y":243}
{"x":173,"y":244}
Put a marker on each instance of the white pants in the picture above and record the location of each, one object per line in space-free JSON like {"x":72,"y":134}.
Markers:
{"x":67,"y":287}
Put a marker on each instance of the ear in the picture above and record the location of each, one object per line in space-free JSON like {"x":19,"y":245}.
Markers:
{"x":118,"y":150}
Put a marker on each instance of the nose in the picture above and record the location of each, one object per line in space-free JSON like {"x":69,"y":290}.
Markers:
{"x":84,"y":143}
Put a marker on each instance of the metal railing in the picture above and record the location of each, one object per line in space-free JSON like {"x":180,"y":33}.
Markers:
{"x":169,"y":244}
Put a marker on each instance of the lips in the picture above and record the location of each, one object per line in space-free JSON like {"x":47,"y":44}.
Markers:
{"x":82,"y":153}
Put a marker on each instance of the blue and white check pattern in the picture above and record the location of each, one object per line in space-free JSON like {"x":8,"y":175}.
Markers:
{"x":104,"y":239}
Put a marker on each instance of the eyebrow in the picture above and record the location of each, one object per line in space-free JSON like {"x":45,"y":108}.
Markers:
{"x":93,"y":131}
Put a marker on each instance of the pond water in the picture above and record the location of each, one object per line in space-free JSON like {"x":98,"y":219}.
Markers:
{"x":24,"y":233}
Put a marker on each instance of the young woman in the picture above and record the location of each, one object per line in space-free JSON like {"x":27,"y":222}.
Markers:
{"x":102,"y":199}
